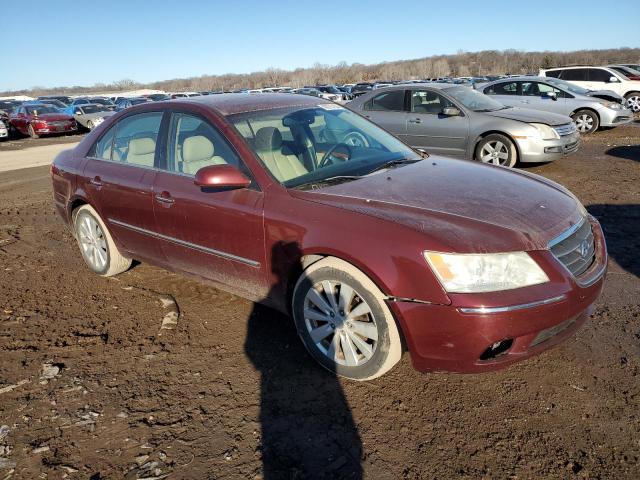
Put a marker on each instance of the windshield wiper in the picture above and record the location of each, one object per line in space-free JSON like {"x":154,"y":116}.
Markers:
{"x":394,"y":163}
{"x":326,"y":181}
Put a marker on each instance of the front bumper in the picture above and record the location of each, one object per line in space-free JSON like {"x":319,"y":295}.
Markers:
{"x":613,"y":118}
{"x":456,"y":337}
{"x":538,"y":150}
{"x":55,"y":129}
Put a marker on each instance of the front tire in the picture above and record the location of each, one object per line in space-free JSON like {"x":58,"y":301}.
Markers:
{"x":32,"y":132}
{"x":497,"y":149}
{"x":586,"y":121}
{"x":96,"y":244}
{"x":344,"y":322}
{"x":633,"y":101}
{"x":90,"y":125}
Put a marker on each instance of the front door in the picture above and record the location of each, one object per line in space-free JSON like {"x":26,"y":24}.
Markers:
{"x":430,"y":129}
{"x":119,"y":175}
{"x":214,"y":234}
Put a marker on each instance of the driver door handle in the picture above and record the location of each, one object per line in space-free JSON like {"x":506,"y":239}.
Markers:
{"x":415,"y":120}
{"x":96,"y":182}
{"x":165,"y":198}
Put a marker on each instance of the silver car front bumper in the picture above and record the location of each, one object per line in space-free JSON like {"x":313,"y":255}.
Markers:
{"x":533,"y":150}
{"x":613,"y":118}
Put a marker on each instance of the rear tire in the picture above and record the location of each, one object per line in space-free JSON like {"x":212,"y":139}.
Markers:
{"x":98,"y":249}
{"x":633,"y":101}
{"x":497,"y":149}
{"x":343,"y":321}
{"x":32,"y":132}
{"x":586,"y":121}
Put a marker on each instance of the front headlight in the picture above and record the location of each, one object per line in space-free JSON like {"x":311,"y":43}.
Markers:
{"x":545,"y":131}
{"x":491,"y":272}
{"x":613,"y":105}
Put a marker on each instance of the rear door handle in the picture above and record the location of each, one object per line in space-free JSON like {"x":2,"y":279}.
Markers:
{"x":415,"y":120}
{"x":96,"y":182}
{"x":165,"y":198}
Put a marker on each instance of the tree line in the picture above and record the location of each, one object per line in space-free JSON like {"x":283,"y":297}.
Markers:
{"x":488,"y":62}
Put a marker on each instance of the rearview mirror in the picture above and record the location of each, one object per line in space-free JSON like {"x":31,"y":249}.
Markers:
{"x":221,"y":178}
{"x":450,"y":111}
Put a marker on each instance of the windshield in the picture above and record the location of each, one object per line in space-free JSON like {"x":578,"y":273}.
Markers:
{"x":305,"y":147}
{"x":567,"y":86}
{"x":41,"y":109}
{"x":136,"y":101}
{"x":474,"y":100}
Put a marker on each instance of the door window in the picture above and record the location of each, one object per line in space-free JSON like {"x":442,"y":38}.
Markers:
{"x":545,"y":89}
{"x":388,"y":101}
{"x":194,"y":144}
{"x":575,"y":74}
{"x":427,"y":101}
{"x":506,"y":88}
{"x":599,"y":75}
{"x":104,"y":147}
{"x":135,"y":139}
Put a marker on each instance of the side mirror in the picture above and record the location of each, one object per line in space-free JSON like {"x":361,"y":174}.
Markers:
{"x":613,"y":79}
{"x":450,"y":111}
{"x":221,"y":178}
{"x":78,"y":112}
{"x":551,"y":95}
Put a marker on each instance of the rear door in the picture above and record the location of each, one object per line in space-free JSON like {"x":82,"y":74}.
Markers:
{"x":119,"y":175}
{"x":430,"y":129}
{"x":387,"y":109}
{"x":217,"y":235}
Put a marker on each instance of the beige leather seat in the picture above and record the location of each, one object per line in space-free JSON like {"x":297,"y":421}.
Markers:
{"x":197,"y":152}
{"x":283,"y":166}
{"x":141,"y":151}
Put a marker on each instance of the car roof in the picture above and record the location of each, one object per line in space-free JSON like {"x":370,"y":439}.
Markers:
{"x":519,"y":79}
{"x":232,"y":103}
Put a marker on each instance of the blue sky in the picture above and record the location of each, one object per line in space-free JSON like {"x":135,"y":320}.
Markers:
{"x":82,"y":43}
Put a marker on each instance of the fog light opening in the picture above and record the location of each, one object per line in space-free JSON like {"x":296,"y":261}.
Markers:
{"x":497,"y":349}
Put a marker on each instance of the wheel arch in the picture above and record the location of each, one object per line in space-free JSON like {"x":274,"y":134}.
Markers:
{"x":589,"y":109}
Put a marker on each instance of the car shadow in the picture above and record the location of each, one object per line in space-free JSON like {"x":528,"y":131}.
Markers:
{"x":307,"y":429}
{"x":621,"y":226}
{"x":631,"y":152}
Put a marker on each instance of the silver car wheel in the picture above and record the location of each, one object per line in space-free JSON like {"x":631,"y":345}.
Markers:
{"x":633,"y":103}
{"x":494,"y":152}
{"x":340,"y":323}
{"x":93,"y":243}
{"x":584,"y":123}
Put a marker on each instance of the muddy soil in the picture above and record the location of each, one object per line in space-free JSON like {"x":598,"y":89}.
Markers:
{"x":91,"y":386}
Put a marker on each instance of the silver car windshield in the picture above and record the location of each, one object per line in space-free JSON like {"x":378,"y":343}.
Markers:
{"x":311,"y":147}
{"x":567,"y":86}
{"x":474,"y":100}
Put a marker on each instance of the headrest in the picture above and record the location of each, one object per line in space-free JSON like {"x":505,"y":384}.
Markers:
{"x":268,"y":138}
{"x":142,"y":146}
{"x":197,"y":148}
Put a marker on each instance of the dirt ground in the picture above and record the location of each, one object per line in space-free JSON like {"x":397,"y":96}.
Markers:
{"x":92,"y":387}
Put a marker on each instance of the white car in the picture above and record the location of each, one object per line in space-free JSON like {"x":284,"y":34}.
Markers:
{"x":4,"y":133}
{"x":599,"y":78}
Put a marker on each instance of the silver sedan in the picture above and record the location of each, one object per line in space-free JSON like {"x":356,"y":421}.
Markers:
{"x":458,"y":121}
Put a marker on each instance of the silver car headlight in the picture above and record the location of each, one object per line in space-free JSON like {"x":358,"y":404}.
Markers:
{"x":489,"y":272}
{"x":613,"y":105}
{"x":546,"y":132}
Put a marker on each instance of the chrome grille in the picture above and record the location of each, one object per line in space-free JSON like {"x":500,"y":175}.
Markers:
{"x":575,"y":248}
{"x":566,"y":129}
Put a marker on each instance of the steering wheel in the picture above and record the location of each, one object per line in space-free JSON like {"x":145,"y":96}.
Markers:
{"x":355,"y":139}
{"x":327,"y":156}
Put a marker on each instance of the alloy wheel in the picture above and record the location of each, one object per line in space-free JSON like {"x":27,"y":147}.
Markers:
{"x":494,"y":152}
{"x":633,"y":103}
{"x":340,"y":323}
{"x":584,"y":123}
{"x":92,"y":243}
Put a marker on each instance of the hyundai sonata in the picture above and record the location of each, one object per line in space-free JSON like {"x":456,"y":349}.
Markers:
{"x":372,"y":247}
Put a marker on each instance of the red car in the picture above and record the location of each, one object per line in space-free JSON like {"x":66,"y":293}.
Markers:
{"x":37,"y":120}
{"x":308,"y":207}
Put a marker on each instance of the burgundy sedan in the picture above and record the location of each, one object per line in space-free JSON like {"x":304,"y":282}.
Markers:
{"x":308,"y":207}
{"x":36,"y":120}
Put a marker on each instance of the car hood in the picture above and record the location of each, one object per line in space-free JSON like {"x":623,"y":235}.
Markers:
{"x":53,"y":117}
{"x":606,"y":95}
{"x":91,"y":116}
{"x":528,"y":115}
{"x":460,"y":206}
